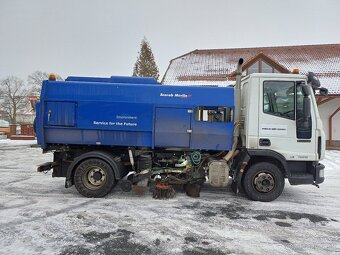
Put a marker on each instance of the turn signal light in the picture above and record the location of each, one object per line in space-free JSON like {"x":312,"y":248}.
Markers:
{"x":296,"y":71}
{"x":52,"y":77}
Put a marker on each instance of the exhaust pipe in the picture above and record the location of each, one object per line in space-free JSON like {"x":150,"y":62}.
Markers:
{"x":237,"y":112}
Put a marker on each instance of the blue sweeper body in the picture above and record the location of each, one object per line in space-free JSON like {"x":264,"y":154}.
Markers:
{"x":131,"y":111}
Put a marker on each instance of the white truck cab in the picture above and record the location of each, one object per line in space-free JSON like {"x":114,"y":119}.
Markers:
{"x":279,"y":124}
{"x":272,"y":117}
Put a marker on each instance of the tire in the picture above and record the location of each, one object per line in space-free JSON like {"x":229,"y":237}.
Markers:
{"x":263,"y":182}
{"x":94,"y":178}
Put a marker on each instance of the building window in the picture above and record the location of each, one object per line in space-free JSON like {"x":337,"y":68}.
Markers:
{"x":266,"y":68}
{"x":279,"y":99}
{"x":261,"y":67}
{"x":254,"y":68}
{"x":214,"y":114}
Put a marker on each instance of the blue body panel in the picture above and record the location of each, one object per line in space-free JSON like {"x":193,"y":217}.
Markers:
{"x":64,"y":114}
{"x":130,"y":111}
{"x":171,"y":125}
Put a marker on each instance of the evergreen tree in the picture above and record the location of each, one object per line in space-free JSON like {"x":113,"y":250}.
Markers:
{"x":145,"y":65}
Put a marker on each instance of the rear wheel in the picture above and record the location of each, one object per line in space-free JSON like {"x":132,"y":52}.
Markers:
{"x":94,"y":178}
{"x":263,"y":182}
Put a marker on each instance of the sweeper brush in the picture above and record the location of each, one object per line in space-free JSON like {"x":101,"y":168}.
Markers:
{"x":163,"y":191}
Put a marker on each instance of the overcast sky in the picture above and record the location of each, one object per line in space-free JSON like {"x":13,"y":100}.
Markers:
{"x":102,"y":37}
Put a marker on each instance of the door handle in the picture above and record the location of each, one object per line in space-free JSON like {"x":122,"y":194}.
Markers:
{"x":49,"y":115}
{"x":264,"y":142}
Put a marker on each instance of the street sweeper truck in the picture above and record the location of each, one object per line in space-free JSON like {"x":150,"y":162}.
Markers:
{"x":138,"y":133}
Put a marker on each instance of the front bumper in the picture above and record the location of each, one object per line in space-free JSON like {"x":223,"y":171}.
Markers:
{"x":312,"y":174}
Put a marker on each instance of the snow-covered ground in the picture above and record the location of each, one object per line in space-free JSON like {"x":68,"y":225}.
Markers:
{"x":39,"y":216}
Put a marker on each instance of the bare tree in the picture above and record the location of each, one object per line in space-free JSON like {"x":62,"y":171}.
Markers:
{"x":35,"y":80}
{"x":14,"y":97}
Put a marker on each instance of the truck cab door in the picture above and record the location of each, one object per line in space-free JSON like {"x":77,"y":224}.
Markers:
{"x":279,"y":113}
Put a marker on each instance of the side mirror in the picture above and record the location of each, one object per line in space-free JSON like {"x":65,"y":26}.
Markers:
{"x":313,"y":80}
{"x":323,"y":91}
{"x":304,"y":123}
{"x":306,"y":108}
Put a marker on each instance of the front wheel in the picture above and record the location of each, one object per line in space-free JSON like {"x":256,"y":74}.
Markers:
{"x":94,"y":178}
{"x":263,"y":182}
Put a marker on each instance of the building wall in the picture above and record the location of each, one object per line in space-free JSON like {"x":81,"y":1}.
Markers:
{"x":325,"y":111}
{"x":4,"y":130}
{"x":25,"y":118}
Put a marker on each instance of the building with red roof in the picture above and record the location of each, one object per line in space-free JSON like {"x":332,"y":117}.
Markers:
{"x":216,"y":67}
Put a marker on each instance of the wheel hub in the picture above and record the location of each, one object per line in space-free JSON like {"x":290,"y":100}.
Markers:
{"x":264,"y":182}
{"x":96,"y":176}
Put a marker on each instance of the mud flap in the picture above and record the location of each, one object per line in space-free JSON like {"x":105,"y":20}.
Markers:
{"x":242,"y":160}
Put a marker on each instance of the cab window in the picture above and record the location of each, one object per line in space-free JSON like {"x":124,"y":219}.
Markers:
{"x":279,"y":98}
